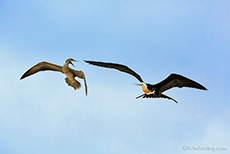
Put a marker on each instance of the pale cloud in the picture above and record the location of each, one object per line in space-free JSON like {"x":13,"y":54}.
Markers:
{"x":214,"y":139}
{"x":217,"y":133}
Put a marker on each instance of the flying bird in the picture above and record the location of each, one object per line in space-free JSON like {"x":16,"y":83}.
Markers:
{"x":153,"y":90}
{"x":65,"y":69}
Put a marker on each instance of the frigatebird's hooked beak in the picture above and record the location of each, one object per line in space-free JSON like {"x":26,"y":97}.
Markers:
{"x":72,"y":63}
{"x":137,"y":84}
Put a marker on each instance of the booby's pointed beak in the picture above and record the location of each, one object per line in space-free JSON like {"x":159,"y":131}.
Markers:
{"x":74,"y":60}
{"x":71,"y":63}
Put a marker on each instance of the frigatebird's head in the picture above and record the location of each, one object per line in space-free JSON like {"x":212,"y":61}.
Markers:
{"x":144,"y":87}
{"x":139,"y":84}
{"x":69,"y":61}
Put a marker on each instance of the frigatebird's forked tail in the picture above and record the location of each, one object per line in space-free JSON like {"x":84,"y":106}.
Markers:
{"x":155,"y":96}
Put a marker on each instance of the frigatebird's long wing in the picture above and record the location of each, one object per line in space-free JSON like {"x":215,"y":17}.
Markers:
{"x":42,"y":66}
{"x":119,"y":67}
{"x":81,"y":75}
{"x":176,"y":80}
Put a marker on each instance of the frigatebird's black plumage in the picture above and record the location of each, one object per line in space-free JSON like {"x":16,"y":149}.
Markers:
{"x":156,"y":90}
{"x":119,"y":67}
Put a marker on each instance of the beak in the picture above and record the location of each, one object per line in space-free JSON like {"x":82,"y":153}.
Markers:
{"x":74,"y":60}
{"x":71,"y":63}
{"x":137,"y":84}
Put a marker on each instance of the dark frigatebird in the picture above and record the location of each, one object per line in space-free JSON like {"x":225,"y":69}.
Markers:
{"x":153,"y":90}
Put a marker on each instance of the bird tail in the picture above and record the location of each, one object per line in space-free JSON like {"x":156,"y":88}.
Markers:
{"x":75,"y":84}
{"x":165,"y":96}
{"x":155,"y":96}
{"x":140,"y":96}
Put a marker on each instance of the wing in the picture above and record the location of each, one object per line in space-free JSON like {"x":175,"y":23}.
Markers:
{"x":176,"y":80}
{"x":75,"y":84}
{"x":81,"y":75}
{"x":155,"y":96}
{"x":42,"y":66}
{"x":119,"y":67}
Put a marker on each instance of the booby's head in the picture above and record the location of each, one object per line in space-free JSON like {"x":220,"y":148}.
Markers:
{"x":69,"y":61}
{"x":144,"y":87}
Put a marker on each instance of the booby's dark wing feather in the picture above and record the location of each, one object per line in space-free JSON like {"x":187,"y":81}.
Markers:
{"x":155,"y":96}
{"x":81,"y":75}
{"x":176,"y":80}
{"x":42,"y":66}
{"x":119,"y":67}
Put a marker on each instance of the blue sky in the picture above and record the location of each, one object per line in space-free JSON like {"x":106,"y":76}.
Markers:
{"x":41,"y":114}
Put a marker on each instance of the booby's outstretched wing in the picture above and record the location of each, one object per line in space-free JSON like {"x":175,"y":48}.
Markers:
{"x":119,"y":67}
{"x":176,"y":80}
{"x":42,"y":66}
{"x":81,"y":75}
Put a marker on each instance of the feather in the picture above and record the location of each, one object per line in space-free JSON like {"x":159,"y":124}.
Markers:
{"x":119,"y":67}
